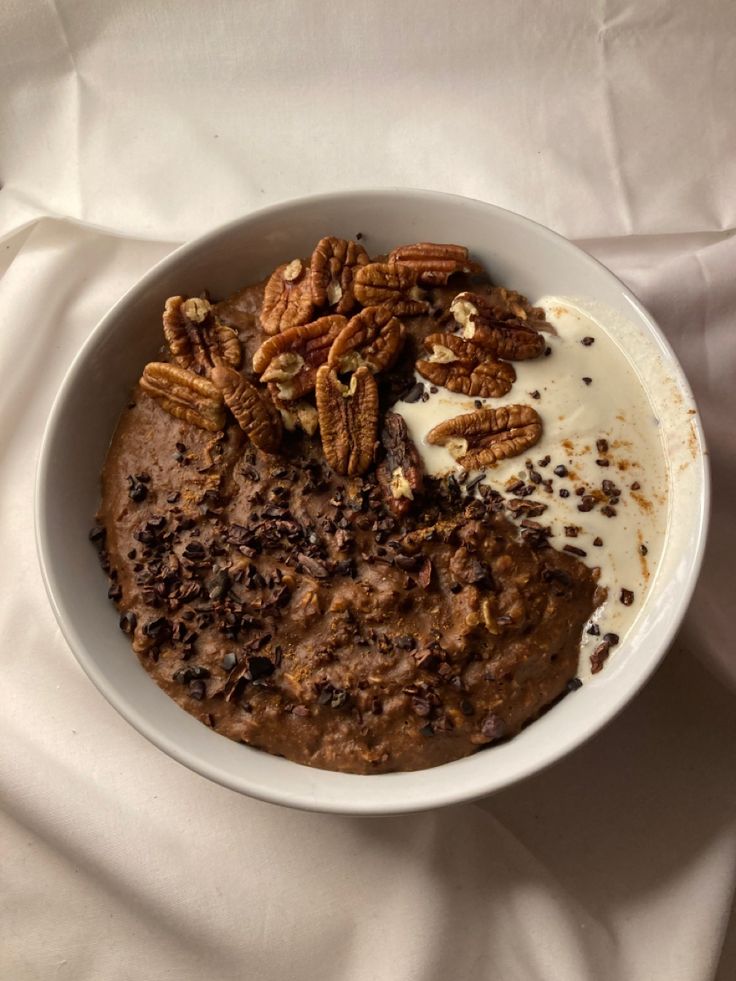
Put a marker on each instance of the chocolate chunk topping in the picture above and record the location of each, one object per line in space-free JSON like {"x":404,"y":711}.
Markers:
{"x":599,"y":656}
{"x":574,"y":550}
{"x":259,"y":666}
{"x":197,"y":690}
{"x":137,"y":489}
{"x":128,"y":622}
{"x":415,"y":393}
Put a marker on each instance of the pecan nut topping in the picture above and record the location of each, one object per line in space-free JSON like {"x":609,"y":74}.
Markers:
{"x":296,"y":415}
{"x":333,"y":265}
{"x":504,"y":304}
{"x":464,"y":367}
{"x":253,"y":410}
{"x":287,"y":299}
{"x":434,"y":264}
{"x":196,"y":339}
{"x":348,"y":419}
{"x":373,"y":337}
{"x":290,"y":359}
{"x":392,"y":285}
{"x":400,"y":472}
{"x":184,"y":395}
{"x":481,"y":439}
{"x":514,"y":339}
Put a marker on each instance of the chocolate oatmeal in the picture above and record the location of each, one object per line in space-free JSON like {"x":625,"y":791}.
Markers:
{"x":284,"y":566}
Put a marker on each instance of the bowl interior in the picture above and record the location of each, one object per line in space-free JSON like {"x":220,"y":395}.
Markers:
{"x":519,"y":254}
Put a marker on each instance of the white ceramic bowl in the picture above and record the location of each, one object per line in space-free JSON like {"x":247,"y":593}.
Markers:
{"x":519,"y":253}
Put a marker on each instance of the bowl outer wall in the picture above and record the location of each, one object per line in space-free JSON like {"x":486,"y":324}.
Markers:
{"x":518,"y":253}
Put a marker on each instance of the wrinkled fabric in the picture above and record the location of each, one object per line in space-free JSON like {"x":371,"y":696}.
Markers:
{"x":128,"y":127}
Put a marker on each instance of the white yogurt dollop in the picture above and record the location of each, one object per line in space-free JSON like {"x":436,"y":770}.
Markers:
{"x":576,"y":415}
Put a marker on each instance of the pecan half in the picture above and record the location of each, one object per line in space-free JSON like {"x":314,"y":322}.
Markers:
{"x":400,"y":472}
{"x":464,"y":367}
{"x":290,"y":359}
{"x":348,"y":419}
{"x":503,"y":304}
{"x":287,"y":299}
{"x":184,"y":395}
{"x":481,"y":439}
{"x":196,"y":339}
{"x":373,"y":337}
{"x":390,"y":285}
{"x":434,"y":264}
{"x":513,"y":339}
{"x":253,"y":410}
{"x":333,"y":266}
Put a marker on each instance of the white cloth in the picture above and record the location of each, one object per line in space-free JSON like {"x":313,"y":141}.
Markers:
{"x":126,"y":127}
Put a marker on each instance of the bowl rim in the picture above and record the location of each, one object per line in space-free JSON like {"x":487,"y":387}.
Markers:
{"x":436,"y":795}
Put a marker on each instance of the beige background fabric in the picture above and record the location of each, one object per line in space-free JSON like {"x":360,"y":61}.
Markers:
{"x":128,"y":127}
